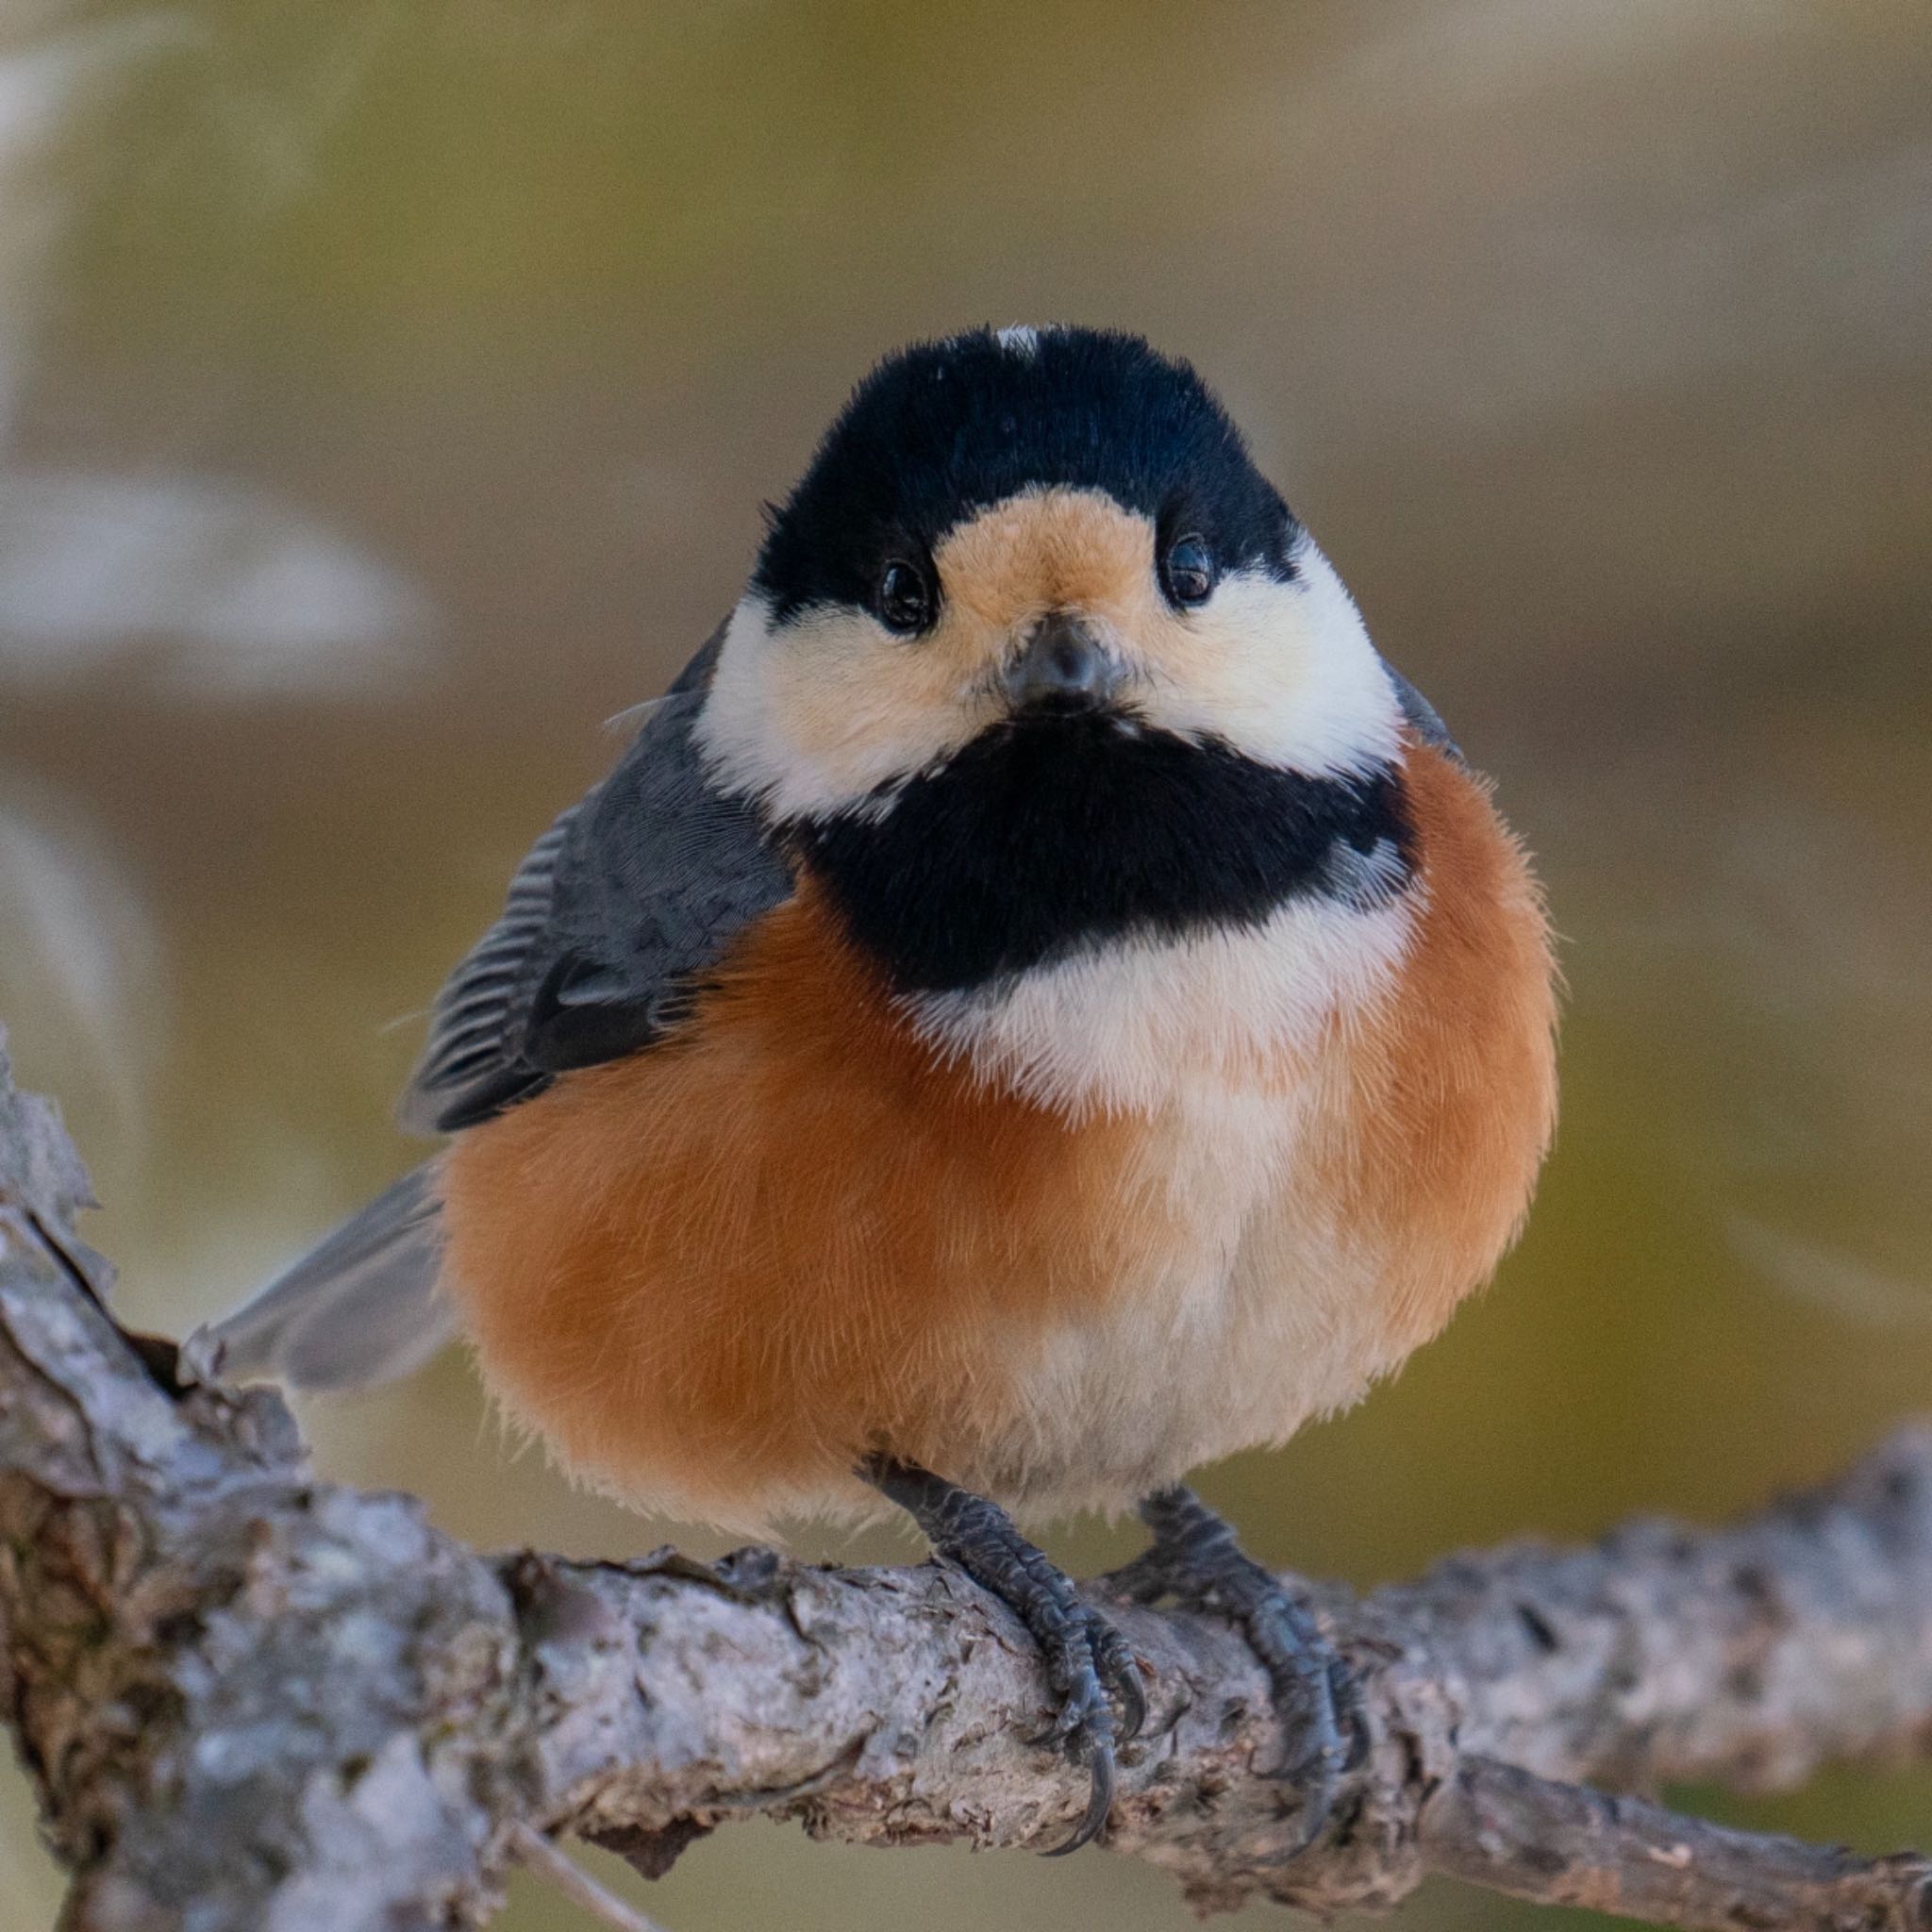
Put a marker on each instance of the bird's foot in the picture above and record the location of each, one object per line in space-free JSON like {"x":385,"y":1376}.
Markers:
{"x":1195,"y":1559}
{"x":1090,"y":1667}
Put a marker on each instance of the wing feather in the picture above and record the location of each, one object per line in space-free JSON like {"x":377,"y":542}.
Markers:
{"x":1422,"y":716}
{"x":616,"y":914}
{"x":476,"y":1016}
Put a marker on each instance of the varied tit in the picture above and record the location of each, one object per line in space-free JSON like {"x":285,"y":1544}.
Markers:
{"x":1041,"y":1005}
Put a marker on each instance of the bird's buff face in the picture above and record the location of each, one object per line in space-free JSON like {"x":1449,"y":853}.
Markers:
{"x":1053,"y":602}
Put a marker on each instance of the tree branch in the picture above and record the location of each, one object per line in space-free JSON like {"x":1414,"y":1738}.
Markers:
{"x":296,"y":1706}
{"x":1504,"y":1827}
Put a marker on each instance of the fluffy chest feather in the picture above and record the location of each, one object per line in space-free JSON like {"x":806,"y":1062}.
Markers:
{"x":1235,"y":1050}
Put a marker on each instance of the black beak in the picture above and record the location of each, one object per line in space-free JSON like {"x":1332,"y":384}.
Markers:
{"x":1062,"y":666}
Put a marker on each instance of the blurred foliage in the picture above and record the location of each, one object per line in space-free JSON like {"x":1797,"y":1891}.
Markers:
{"x":386,"y":397}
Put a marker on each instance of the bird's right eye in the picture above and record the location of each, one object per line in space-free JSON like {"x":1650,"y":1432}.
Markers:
{"x":1189,"y":572}
{"x":904,"y":598}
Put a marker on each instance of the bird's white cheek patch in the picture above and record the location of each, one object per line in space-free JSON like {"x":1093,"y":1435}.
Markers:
{"x":1284,"y":673}
{"x":814,"y":715}
{"x":1128,"y":1026}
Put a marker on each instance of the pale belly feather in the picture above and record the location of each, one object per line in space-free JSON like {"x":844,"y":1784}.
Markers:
{"x":1259,"y":1309}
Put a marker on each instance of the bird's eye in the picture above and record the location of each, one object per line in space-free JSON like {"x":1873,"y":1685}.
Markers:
{"x":1189,"y":572}
{"x":905,"y":599}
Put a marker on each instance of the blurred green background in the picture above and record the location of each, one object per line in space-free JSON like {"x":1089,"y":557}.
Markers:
{"x":387,"y":392}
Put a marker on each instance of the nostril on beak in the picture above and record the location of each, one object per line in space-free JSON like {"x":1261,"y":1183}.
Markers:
{"x":1070,"y":664}
{"x":1063,"y":663}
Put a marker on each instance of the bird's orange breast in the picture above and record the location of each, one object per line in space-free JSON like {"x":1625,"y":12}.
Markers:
{"x":715,"y":1273}
{"x":1457,"y":1073}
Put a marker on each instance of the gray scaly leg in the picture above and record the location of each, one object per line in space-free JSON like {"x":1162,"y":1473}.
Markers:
{"x":1196,"y":1560}
{"x":1086,"y":1657}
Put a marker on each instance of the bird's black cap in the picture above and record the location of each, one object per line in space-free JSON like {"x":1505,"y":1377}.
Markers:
{"x":942,"y":429}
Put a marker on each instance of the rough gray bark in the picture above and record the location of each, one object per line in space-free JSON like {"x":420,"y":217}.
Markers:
{"x":253,"y":1702}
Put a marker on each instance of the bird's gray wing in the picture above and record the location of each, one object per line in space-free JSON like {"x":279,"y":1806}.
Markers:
{"x":611,"y":922}
{"x":1424,"y":719}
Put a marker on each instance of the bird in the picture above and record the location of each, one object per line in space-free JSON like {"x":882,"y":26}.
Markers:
{"x":1041,"y":1005}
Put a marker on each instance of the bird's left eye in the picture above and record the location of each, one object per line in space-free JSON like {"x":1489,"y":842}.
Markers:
{"x":905,"y":599}
{"x":1189,"y":572}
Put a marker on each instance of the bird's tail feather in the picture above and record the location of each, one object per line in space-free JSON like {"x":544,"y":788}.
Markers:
{"x":360,"y":1308}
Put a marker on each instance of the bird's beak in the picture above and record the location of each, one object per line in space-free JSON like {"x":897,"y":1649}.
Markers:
{"x":1063,"y":666}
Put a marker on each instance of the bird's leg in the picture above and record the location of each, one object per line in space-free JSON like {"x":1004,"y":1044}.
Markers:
{"x":1086,"y":1657}
{"x":1196,"y":1560}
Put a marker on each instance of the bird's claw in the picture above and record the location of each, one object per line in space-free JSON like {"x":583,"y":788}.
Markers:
{"x":1196,"y":1558}
{"x":1089,"y":1666}
{"x":1092,"y":1667}
{"x":1099,"y":1803}
{"x":1119,"y":1670}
